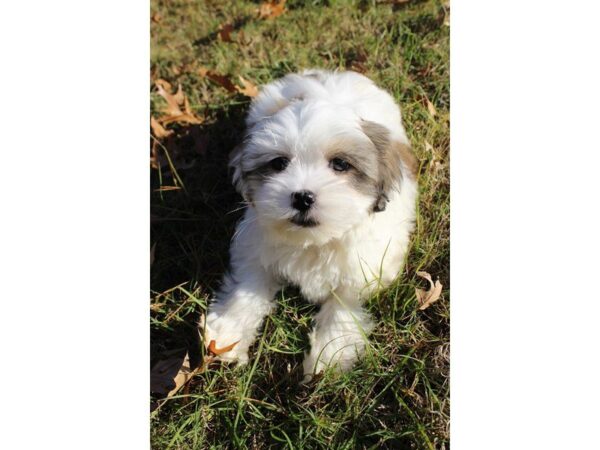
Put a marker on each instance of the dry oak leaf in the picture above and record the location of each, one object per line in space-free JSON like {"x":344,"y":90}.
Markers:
{"x":158,"y":130}
{"x":426,"y":298}
{"x":225,"y":32}
{"x":173,"y":111}
{"x":221,"y":80}
{"x":249,"y":89}
{"x":212,"y":348}
{"x":272,"y":9}
{"x":170,"y":374}
{"x":164,"y":90}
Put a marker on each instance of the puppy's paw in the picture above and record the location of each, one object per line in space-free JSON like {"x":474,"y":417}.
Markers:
{"x":225,"y":335}
{"x":329,"y":357}
{"x":311,"y":367}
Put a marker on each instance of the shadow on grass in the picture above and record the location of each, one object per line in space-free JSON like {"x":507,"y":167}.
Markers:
{"x":191,"y":229}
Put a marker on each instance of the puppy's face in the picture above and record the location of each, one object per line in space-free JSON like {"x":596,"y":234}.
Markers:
{"x":313,"y":172}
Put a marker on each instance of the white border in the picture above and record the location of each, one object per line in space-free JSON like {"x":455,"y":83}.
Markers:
{"x":74,"y":229}
{"x":524,"y":233}
{"x":74,"y":238}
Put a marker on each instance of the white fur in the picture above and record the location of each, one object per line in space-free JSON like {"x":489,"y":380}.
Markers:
{"x":337,"y":264}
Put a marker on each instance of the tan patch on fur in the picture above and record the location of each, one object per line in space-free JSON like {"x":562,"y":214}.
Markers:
{"x":395,"y":160}
{"x":391,"y":154}
{"x":354,"y":152}
{"x":390,"y":171}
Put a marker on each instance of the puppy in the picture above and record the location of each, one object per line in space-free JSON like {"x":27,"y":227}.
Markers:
{"x":329,"y":180}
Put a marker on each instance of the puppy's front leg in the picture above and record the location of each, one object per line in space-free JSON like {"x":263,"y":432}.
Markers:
{"x":239,"y":309}
{"x":339,"y":336}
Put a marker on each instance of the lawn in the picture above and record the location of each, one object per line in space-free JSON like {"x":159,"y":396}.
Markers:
{"x":398,"y":395}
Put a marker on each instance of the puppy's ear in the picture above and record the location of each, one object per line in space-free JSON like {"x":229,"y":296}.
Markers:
{"x":396,"y":160}
{"x":235,"y":164}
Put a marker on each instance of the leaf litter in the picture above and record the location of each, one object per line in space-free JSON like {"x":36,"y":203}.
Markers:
{"x":169,"y":375}
{"x":428,"y":297}
{"x":172,"y":149}
{"x":179,"y":148}
{"x":175,"y":102}
{"x":221,"y":80}
{"x":249,"y":89}
{"x":225,"y":32}
{"x":272,"y":9}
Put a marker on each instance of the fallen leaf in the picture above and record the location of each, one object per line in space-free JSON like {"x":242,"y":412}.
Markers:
{"x":221,"y":80}
{"x":175,"y":370}
{"x":179,"y":97}
{"x":156,"y":18}
{"x":175,"y":149}
{"x":426,"y":298}
{"x":184,"y":375}
{"x":173,"y":111}
{"x":431,"y":108}
{"x":272,"y":9}
{"x":249,"y":88}
{"x":225,"y":32}
{"x":168,"y":375}
{"x":186,"y":106}
{"x":212,"y":348}
{"x":164,"y":90}
{"x":158,"y":130}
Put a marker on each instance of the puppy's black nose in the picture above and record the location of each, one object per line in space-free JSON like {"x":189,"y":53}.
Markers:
{"x":302,"y":200}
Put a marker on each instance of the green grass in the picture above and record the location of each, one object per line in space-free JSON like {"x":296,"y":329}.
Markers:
{"x":398,"y":396}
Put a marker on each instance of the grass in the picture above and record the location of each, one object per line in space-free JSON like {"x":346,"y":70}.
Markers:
{"x":398,"y":396}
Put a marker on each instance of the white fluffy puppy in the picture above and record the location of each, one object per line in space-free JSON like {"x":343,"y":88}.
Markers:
{"x":329,"y":179}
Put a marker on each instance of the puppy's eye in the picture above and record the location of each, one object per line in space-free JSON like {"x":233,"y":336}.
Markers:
{"x":340,"y":165}
{"x":279,"y":164}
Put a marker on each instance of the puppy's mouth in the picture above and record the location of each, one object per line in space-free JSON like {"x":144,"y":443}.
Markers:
{"x":302,"y":220}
